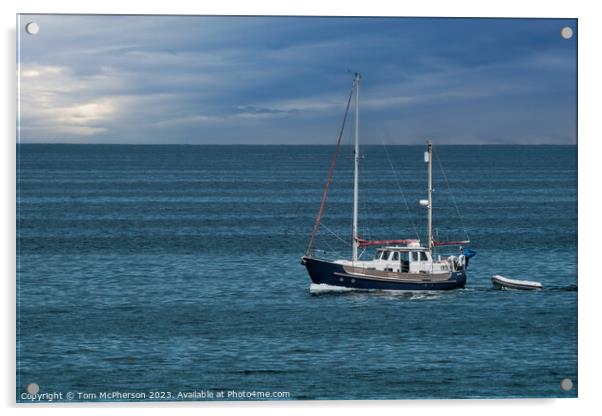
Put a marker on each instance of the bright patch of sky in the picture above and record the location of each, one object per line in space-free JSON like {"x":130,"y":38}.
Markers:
{"x":284,"y":80}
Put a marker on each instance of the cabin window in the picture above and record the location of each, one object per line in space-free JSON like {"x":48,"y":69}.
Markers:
{"x":423,"y":256}
{"x":395,"y":256}
{"x":385,"y":255}
{"x":378,"y":254}
{"x":414,"y":256}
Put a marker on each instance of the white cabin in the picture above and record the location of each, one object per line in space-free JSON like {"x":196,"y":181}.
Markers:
{"x":412,"y":258}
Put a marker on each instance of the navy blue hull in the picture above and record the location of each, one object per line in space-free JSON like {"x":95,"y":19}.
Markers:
{"x":325,"y":272}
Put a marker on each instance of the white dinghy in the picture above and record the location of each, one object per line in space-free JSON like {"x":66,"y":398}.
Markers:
{"x":501,"y":282}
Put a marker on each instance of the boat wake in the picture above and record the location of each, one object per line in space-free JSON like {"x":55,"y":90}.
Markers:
{"x":569,"y":288}
{"x":324,"y":289}
{"x":317,"y":289}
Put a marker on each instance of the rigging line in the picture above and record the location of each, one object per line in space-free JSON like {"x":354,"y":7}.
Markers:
{"x":329,"y":178}
{"x":401,"y":191}
{"x":329,"y":252}
{"x":336,"y":235}
{"x":365,"y":229}
{"x":331,"y":249}
{"x":452,"y":195}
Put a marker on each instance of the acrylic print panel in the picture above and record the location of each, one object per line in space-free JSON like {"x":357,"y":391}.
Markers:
{"x":289,"y":208}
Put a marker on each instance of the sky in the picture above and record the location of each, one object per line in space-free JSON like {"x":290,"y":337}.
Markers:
{"x":285,"y":80}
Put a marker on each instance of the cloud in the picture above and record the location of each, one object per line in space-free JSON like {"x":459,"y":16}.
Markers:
{"x":269,"y":80}
{"x":54,"y":101}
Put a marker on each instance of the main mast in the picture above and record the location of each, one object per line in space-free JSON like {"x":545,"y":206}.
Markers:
{"x":429,"y":159}
{"x":356,"y":83}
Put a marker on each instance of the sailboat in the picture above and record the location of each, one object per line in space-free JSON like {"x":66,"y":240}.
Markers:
{"x":399,"y":264}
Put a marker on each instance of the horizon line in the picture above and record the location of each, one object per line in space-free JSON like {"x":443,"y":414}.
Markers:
{"x":290,"y":144}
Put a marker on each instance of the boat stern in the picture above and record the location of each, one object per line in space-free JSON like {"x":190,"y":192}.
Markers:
{"x":460,"y":277}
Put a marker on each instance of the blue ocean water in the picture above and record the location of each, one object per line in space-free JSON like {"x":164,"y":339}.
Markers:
{"x":176,"y":269}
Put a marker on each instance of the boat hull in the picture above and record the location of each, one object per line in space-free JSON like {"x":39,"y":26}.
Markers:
{"x":335,"y":274}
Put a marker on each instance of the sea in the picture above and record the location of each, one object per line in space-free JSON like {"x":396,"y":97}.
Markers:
{"x":172,"y":272}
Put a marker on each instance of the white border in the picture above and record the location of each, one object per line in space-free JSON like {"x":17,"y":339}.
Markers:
{"x":590,"y":29}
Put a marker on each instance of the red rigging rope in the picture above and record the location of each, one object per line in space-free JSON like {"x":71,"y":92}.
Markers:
{"x":329,"y":178}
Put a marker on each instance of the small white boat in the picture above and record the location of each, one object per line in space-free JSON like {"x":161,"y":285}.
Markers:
{"x":501,"y":282}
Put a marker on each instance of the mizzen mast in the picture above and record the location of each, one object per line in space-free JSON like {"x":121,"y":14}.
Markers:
{"x":428,"y":158}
